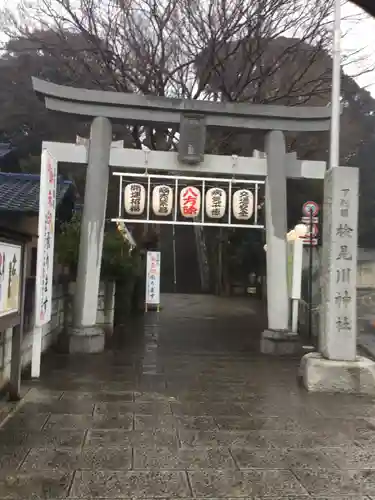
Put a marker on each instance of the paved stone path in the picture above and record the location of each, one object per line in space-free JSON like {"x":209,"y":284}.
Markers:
{"x":186,"y":407}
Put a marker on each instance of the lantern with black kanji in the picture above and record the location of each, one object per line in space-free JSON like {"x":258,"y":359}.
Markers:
{"x":216,"y":199}
{"x":243,"y":204}
{"x":162,"y":201}
{"x":134,"y":199}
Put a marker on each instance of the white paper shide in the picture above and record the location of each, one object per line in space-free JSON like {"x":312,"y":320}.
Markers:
{"x":162,"y":201}
{"x":134,"y":199}
{"x":243,"y":204}
{"x":153,"y":279}
{"x":216,"y":200}
{"x":46,"y":239}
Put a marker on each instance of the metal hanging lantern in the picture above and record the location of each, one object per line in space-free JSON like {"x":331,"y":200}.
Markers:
{"x":243,"y":204}
{"x":192,"y":138}
{"x":162,"y":201}
{"x":134,"y":199}
{"x":216,"y":199}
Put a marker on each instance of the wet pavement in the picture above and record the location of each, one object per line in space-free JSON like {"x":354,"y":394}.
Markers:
{"x":186,"y":407}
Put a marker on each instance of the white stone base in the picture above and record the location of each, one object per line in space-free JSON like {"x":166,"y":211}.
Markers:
{"x":90,"y":340}
{"x":323,"y":375}
{"x":279,"y":342}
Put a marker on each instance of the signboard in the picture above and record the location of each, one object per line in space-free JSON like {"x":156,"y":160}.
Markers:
{"x":46,"y":239}
{"x":310,"y":206}
{"x":306,"y":220}
{"x":153,"y":279}
{"x":310,"y":211}
{"x":10,"y":278}
{"x":308,"y":241}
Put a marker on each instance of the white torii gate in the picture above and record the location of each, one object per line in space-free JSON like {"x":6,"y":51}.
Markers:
{"x":336,"y":367}
{"x":192,"y":117}
{"x":137,"y":160}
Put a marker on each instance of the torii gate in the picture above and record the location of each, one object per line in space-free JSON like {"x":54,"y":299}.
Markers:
{"x":103,"y":107}
{"x":333,"y":368}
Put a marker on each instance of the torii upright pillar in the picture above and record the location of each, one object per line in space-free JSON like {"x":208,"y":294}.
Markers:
{"x":276,"y":339}
{"x":86,"y":335}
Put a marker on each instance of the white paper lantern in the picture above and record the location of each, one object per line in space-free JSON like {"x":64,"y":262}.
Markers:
{"x":243,"y":204}
{"x":190,"y":202}
{"x":162,"y":200}
{"x":216,"y":199}
{"x":134,"y":199}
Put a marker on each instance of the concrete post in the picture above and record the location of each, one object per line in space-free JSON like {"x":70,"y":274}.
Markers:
{"x":85,"y":335}
{"x":276,"y":339}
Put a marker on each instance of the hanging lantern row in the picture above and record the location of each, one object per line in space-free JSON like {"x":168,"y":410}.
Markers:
{"x":190,"y":202}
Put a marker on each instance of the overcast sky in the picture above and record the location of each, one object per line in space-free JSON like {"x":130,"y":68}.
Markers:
{"x":359,"y":33}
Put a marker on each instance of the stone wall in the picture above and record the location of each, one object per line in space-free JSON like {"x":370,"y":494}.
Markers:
{"x":60,"y":319}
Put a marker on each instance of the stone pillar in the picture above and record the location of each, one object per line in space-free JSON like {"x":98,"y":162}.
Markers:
{"x":336,"y":367}
{"x":277,"y":338}
{"x":86,"y":335}
{"x":338,"y":316}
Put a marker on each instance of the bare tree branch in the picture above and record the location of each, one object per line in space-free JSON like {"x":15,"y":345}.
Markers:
{"x":257,"y":51}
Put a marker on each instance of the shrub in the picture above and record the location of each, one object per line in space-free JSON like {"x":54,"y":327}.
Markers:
{"x":117,"y":262}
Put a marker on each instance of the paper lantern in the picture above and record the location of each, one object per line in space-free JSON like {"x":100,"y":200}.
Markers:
{"x":216,"y":199}
{"x":243,"y":204}
{"x":162,"y":200}
{"x":134,"y":199}
{"x":190,"y":202}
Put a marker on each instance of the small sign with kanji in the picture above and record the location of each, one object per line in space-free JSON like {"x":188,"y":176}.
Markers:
{"x":153,"y":279}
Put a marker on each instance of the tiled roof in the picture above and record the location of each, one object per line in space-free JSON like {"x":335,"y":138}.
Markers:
{"x":20,"y":192}
{"x":5,"y":149}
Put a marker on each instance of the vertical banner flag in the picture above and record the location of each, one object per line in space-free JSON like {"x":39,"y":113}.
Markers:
{"x":153,"y":279}
{"x":46,"y":239}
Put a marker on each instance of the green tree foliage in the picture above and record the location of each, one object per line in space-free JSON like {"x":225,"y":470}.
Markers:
{"x":118,"y":263}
